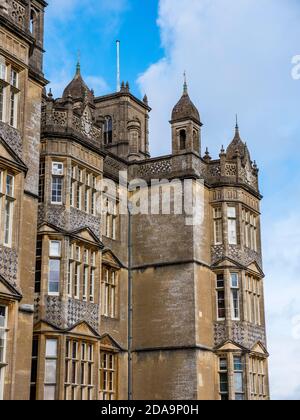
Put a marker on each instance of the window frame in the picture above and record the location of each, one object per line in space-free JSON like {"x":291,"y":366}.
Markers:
{"x":51,"y":358}
{"x":7,"y":207}
{"x":237,"y":290}
{"x":232,"y":222}
{"x":58,"y":258}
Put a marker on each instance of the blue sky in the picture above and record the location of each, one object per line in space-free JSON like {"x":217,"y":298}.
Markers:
{"x":238,"y":57}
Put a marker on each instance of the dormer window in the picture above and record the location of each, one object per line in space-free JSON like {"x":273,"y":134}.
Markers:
{"x":108,"y":130}
{"x":182,"y":139}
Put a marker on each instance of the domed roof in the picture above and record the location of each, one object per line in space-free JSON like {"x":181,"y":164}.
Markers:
{"x":78,"y":88}
{"x":237,"y":146}
{"x":185,"y":109}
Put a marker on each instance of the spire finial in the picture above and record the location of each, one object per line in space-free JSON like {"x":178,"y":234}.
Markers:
{"x":236,"y":122}
{"x":185,"y":86}
{"x":78,"y":62}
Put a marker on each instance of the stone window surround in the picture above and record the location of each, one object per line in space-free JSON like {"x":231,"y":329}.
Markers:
{"x":11,"y":92}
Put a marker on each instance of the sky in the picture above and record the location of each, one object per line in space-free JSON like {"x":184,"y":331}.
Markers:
{"x":239,"y":58}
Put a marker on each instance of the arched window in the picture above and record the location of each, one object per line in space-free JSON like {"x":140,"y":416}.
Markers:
{"x":108,"y":130}
{"x":33,"y":21}
{"x":182,"y":139}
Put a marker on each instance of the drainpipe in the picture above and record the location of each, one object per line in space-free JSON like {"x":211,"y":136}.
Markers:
{"x":130,"y":305}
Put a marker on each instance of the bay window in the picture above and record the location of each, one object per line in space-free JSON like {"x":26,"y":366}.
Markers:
{"x":110,"y":218}
{"x":221,"y":312}
{"x":2,"y":103}
{"x":34,"y":368}
{"x":108,"y":376}
{"x":3,"y":340}
{"x":235,"y":296}
{"x":14,"y":92}
{"x":232,"y":380}
{"x":109,"y":295}
{"x":79,"y":370}
{"x":250,"y":229}
{"x":50,"y":369}
{"x":9,"y":93}
{"x":57,"y":182}
{"x":54,"y":268}
{"x":83,"y":189}
{"x":232,"y":225}
{"x":223,"y":379}
{"x":253,"y":300}
{"x":238,"y":378}
{"x":81,"y":273}
{"x":7,"y":187}
{"x":218,"y":226}
{"x":258,"y":376}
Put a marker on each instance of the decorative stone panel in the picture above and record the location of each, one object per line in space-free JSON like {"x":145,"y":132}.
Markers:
{"x":217,"y":253}
{"x":79,"y":219}
{"x":214,"y":170}
{"x":230,"y":169}
{"x":59,"y":118}
{"x":12,"y":137}
{"x":65,"y":314}
{"x":244,"y":334}
{"x":55,"y":215}
{"x":55,"y":311}
{"x":155,"y":168}
{"x":69,"y":221}
{"x":9,"y":264}
{"x":247,"y":335}
{"x":220,"y":333}
{"x":83,"y":311}
{"x":244,"y":256}
{"x":15,"y":11}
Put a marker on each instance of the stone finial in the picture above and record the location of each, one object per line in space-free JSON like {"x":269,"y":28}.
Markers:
{"x":145,"y":100}
{"x":222,"y":152}
{"x":50,"y":95}
{"x":255,"y":167}
{"x":127,"y":87}
{"x":207,"y":157}
{"x":185,"y":85}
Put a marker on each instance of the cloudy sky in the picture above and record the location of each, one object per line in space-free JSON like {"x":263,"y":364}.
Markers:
{"x":238,"y":58}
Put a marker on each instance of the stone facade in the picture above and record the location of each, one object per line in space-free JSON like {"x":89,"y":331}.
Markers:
{"x":193,"y":326}
{"x":21,"y":51}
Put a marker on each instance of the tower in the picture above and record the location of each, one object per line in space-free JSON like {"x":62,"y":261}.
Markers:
{"x":186,"y":125}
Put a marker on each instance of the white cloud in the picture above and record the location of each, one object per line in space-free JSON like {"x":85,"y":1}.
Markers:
{"x":237,"y":55}
{"x":98,"y":84}
{"x":238,"y":59}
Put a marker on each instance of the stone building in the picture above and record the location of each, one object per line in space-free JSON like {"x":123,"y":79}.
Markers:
{"x":21,"y":85}
{"x":126,"y":304}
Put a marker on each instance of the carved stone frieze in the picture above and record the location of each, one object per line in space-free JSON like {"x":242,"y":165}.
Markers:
{"x":154,"y":168}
